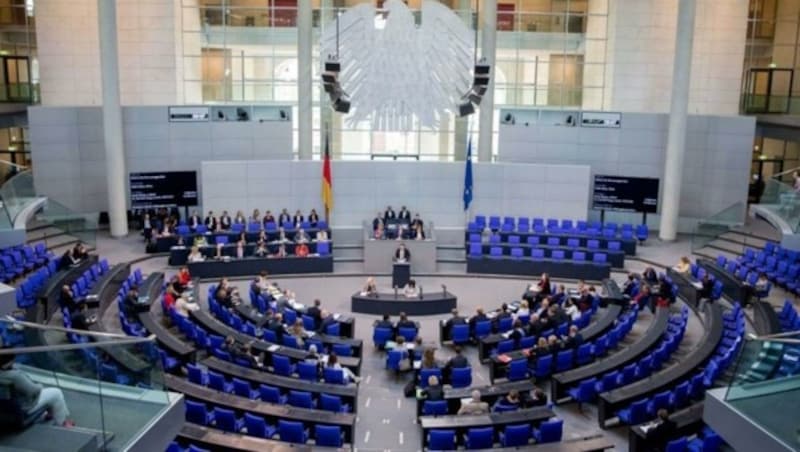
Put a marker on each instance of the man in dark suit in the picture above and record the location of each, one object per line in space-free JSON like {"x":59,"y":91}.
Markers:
{"x":434,"y":391}
{"x":403,"y":322}
{"x":479,"y":316}
{"x":501,"y":314}
{"x":315,"y":311}
{"x":378,"y":220}
{"x":284,"y":217}
{"x":194,"y":220}
{"x":458,"y":361}
{"x":404,"y":214}
{"x":454,"y":320}
{"x":386,"y":322}
{"x":210,"y":221}
{"x":80,"y":320}
{"x":327,"y":320}
{"x":534,"y":398}
{"x":225,"y":221}
{"x":574,"y":339}
{"x":297,"y":218}
{"x":276,"y":326}
{"x":402,"y":253}
{"x":663,"y":431}
{"x":388,"y":214}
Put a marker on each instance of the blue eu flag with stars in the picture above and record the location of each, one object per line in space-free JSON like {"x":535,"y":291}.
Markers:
{"x":468,"y":177}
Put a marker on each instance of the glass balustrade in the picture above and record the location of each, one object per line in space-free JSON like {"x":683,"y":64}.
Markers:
{"x":112,"y":387}
{"x":708,"y":230}
{"x":782,"y":200}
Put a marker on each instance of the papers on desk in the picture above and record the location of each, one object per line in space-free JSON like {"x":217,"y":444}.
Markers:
{"x":417,"y":365}
{"x":649,"y":426}
{"x":697,"y":284}
{"x":273,"y":348}
{"x":505,"y":359}
{"x":337,"y":316}
{"x":507,"y":334}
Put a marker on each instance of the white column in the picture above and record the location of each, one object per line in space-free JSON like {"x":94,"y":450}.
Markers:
{"x":304,"y":83}
{"x":676,"y":138}
{"x":112,"y":118}
{"x":488,"y":46}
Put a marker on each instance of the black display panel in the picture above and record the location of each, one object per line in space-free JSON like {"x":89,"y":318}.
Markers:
{"x":163,"y":189}
{"x":630,"y":194}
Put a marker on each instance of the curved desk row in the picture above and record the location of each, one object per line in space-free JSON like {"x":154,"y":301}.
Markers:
{"x":272,"y":412}
{"x":348,"y":392}
{"x":615,"y":258}
{"x":489,"y":394}
{"x":251,"y":266}
{"x":183,"y":350}
{"x":214,"y":439}
{"x":765,"y":319}
{"x":594,"y":443}
{"x":609,"y":402}
{"x":498,"y":421}
{"x":252,"y":315}
{"x":209,"y":323}
{"x":436,"y":302}
{"x":51,"y":292}
{"x":688,"y":421}
{"x":731,"y":287}
{"x":562,"y":382}
{"x":593,"y":330}
{"x":163,"y":244}
{"x":528,"y":267}
{"x":686,"y":287}
{"x":178,"y":255}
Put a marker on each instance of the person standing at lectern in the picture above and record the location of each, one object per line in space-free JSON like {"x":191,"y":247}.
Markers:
{"x":402,"y":255}
{"x":404,"y":215}
{"x":377,"y":222}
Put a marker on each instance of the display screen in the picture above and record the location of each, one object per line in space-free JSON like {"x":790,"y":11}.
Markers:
{"x":163,"y":189}
{"x":630,"y":194}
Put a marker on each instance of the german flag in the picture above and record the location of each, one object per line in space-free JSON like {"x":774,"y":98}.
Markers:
{"x":327,"y":180}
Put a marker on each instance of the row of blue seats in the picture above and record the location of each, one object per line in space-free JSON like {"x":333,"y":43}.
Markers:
{"x":645,"y":409}
{"x":790,"y":358}
{"x":29,"y":289}
{"x":552,"y":225}
{"x":515,"y":435}
{"x":130,"y":327}
{"x":587,"y":390}
{"x":19,"y":260}
{"x":534,"y":240}
{"x":496,"y":252}
{"x":747,"y":268}
{"x":527,"y":342}
{"x":521,"y":369}
{"x":253,"y":226}
{"x":270,"y":394}
{"x":176,"y":447}
{"x":254,"y":425}
{"x":706,"y":441}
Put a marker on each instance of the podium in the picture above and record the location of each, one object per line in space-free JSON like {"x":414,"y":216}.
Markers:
{"x":401,"y":273}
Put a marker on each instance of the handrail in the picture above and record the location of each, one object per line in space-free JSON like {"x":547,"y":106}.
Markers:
{"x":15,"y":165}
{"x":101,"y":334}
{"x":783,"y":173}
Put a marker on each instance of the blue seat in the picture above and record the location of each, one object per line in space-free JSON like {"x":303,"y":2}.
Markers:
{"x":680,"y":395}
{"x":544,"y":366}
{"x":425,"y":374}
{"x":292,"y":432}
{"x":282,"y":365}
{"x":660,"y":400}
{"x":328,"y":435}
{"x":271,"y":394}
{"x":558,"y":255}
{"x":517,"y":253}
{"x":564,"y":360}
{"x":579,"y":256}
{"x":677,"y":445}
{"x":408,"y":333}
{"x":434,"y":408}
{"x":482,"y":329}
{"x":549,"y":432}
{"x":380,"y":336}
{"x":242,"y":388}
{"x":323,"y":248}
{"x":393,"y":359}
{"x":608,"y":382}
{"x":301,"y":399}
{"x":257,"y":426}
{"x":636,"y":413}
{"x":442,"y":440}
{"x":495,"y":252}
{"x":523,"y":224}
{"x":584,"y":354}
{"x":309,"y":323}
{"x":641,"y":232}
{"x":479,"y":438}
{"x":513,"y":239}
{"x":334,"y":376}
{"x":505,"y":346}
{"x":308,"y":371}
{"x":197,"y":375}
{"x":217,"y":382}
{"x":475,"y":249}
{"x":461,"y":377}
{"x":537,"y":254}
{"x":585,"y":392}
{"x":505,"y":324}
{"x":553,"y":241}
{"x":518,"y":370}
{"x":333,"y":403}
{"x":627,"y":375}
{"x":600,"y":258}
{"x":226,"y":420}
{"x":459,"y":334}
{"x":532,"y":240}
{"x":197,"y":413}
{"x":593,"y":244}
{"x":515,"y":435}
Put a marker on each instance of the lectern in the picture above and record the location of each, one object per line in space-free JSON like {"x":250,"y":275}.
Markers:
{"x":401,"y":273}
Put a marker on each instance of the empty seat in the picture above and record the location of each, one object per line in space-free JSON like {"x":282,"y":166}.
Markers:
{"x":549,"y":432}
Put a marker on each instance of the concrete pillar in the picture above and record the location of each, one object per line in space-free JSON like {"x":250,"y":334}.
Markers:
{"x":676,"y":138}
{"x":488,"y":19}
{"x":305,"y":128}
{"x":444,"y":137}
{"x":112,"y":118}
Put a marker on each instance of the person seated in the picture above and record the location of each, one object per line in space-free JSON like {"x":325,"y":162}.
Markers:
{"x":479,"y":316}
{"x":268,"y":217}
{"x":313,"y":355}
{"x":455,"y":319}
{"x":663,"y":431}
{"x":536,"y":397}
{"x":298,"y":332}
{"x":80,"y":252}
{"x":195,"y":255}
{"x":457,"y":361}
{"x":301,"y":250}
{"x":244,"y":352}
{"x":544,"y":308}
{"x":707,"y":286}
{"x":474,"y":406}
{"x":377,"y":221}
{"x":417,"y":221}
{"x":502,"y":313}
{"x":411,"y":290}
{"x":67,"y":299}
{"x":224,"y":223}
{"x":642,"y":298}
{"x":239,"y":218}
{"x":571,"y":310}
{"x":523,"y":309}
{"x":210,"y":221}
{"x":684,"y":266}
{"x":761,"y":285}
{"x":322,"y":236}
{"x":429,"y":360}
{"x":404,"y":322}
{"x":297,"y":219}
{"x":70,"y":259}
{"x":508,"y":403}
{"x":184,"y":277}
{"x":629,"y":285}
{"x":542,"y":346}
{"x":517,"y":331}
{"x":183,"y":306}
{"x":261,"y":249}
{"x":379,"y":233}
{"x":276,"y":326}
{"x":280,"y":252}
{"x":30,"y":396}
{"x":434,"y":391}
{"x":560,"y":296}
{"x":326,"y":319}
{"x":558,"y":315}
{"x":199,"y":241}
{"x":225,"y":298}
{"x":385,"y":322}
{"x":315,"y":312}
{"x":194,"y":220}
{"x":301,"y":236}
{"x":129,"y":304}
{"x":333,"y":363}
{"x":553,"y":344}
{"x":417,"y":232}
{"x":388,"y":214}
{"x":313,"y":218}
{"x":284,"y":217}
{"x":574,"y":338}
{"x":650,"y":276}
{"x":370,"y":288}
{"x":81,"y":320}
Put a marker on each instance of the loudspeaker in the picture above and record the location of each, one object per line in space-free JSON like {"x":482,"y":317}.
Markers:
{"x":482,"y":69}
{"x":329,"y":77}
{"x":333,"y":66}
{"x":466,"y":109}
{"x":341,"y":105}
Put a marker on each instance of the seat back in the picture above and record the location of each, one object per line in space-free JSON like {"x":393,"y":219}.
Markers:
{"x":330,"y":403}
{"x":550,"y":431}
{"x":301,"y":399}
{"x":291,"y":431}
{"x":442,"y":440}
{"x":480,"y":438}
{"x":516,"y":435}
{"x":461,"y":377}
{"x":256,"y":426}
{"x":328,"y":435}
{"x":434,"y":408}
{"x":308,"y":371}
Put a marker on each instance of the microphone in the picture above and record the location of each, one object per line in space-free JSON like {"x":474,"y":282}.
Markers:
{"x":420,"y":292}
{"x":395,"y":291}
{"x":444,"y":290}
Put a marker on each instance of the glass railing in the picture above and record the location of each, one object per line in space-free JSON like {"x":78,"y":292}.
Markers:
{"x":26,"y":93}
{"x":708,"y":230}
{"x":782,"y":200}
{"x":110,"y":387}
{"x":765,"y":386}
{"x":82,"y":226}
{"x":16,"y":193}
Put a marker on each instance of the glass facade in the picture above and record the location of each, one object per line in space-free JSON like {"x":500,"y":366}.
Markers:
{"x":550,"y":53}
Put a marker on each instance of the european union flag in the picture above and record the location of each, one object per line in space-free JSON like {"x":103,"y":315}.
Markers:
{"x":468,"y":177}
